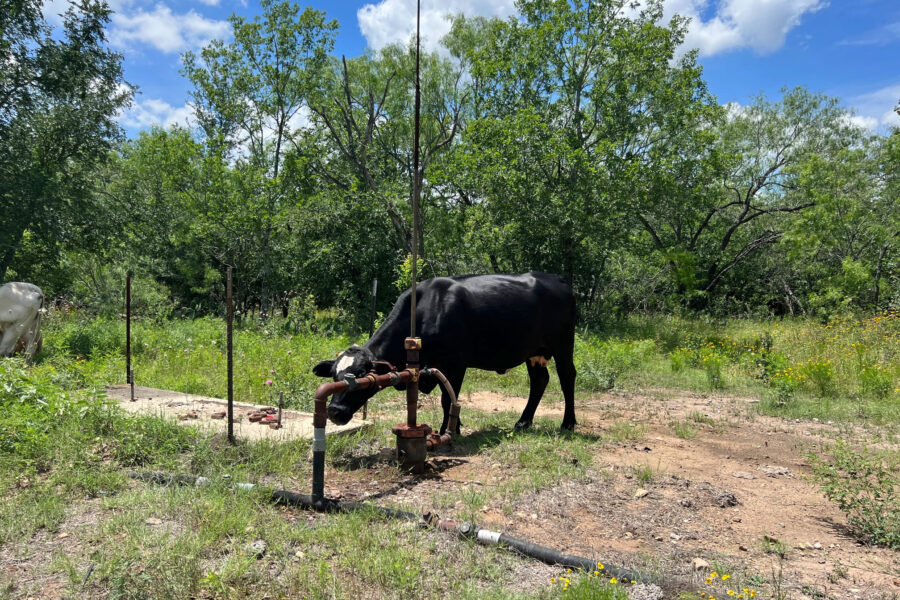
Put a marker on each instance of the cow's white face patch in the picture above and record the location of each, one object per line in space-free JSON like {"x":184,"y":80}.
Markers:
{"x":343,"y":364}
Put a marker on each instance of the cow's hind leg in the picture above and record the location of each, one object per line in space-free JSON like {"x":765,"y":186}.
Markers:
{"x":540,"y":377}
{"x":565,"y":368}
{"x":9,"y":339}
{"x":455,"y":377}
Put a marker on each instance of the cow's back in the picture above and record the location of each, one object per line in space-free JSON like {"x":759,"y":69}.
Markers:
{"x":19,"y":300}
{"x":495,"y":321}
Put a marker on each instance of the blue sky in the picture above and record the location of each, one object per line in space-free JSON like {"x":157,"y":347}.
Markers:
{"x":848,"y":49}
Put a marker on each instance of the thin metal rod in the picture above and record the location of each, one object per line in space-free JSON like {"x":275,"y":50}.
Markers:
{"x":372,"y":318}
{"x":229,"y":319}
{"x":416,"y":185}
{"x":129,"y":374}
{"x":371,"y":333}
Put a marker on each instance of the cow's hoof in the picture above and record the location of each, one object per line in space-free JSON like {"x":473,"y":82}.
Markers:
{"x":522,"y":425}
{"x":567,"y":427}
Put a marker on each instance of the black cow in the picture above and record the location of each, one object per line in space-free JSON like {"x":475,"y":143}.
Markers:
{"x":491,"y":322}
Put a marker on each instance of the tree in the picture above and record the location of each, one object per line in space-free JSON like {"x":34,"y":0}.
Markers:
{"x":250,"y":96}
{"x":364,"y":114}
{"x":59,"y":98}
{"x":580,"y":111}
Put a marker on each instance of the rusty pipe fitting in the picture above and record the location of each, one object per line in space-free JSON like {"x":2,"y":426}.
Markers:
{"x":320,"y":418}
{"x":435,"y":441}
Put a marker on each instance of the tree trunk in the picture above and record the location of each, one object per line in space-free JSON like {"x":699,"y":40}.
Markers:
{"x":9,"y":253}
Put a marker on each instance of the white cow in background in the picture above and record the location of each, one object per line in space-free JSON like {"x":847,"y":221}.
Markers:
{"x":21,"y":305}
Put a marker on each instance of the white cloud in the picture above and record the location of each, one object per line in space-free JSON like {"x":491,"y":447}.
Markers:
{"x":860,"y":122}
{"x":166,"y":31}
{"x":878,"y":107}
{"x":391,"y":21}
{"x":716,"y":25}
{"x":153,"y":111}
{"x":761,"y":25}
{"x":882,"y":36}
{"x":210,"y":2}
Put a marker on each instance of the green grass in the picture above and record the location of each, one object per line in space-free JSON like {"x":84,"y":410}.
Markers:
{"x":63,"y":452}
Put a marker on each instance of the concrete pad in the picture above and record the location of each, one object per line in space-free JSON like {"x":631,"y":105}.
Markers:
{"x":175,"y":405}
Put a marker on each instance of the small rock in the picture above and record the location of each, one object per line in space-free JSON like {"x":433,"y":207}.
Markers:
{"x":62,"y":536}
{"x":153,"y":521}
{"x":775,"y":471}
{"x":629,"y":535}
{"x":646,"y":591}
{"x":674,"y":537}
{"x":698,"y":564}
{"x":817,"y":546}
{"x":686,"y":502}
{"x":257,"y":548}
{"x":640,"y":493}
{"x":742,"y":548}
{"x":736,"y":519}
{"x":724,"y":499}
{"x":299,"y":554}
{"x":743,"y":475}
{"x":217,"y":415}
{"x":781,"y":524}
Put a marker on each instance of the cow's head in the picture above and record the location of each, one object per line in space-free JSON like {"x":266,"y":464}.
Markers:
{"x":355,"y":361}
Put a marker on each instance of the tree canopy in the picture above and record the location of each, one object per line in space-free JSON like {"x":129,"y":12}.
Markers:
{"x":578,"y":137}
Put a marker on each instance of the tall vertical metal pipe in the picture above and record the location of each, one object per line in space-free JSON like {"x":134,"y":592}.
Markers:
{"x":129,"y":374}
{"x":229,"y":319}
{"x":417,"y":188}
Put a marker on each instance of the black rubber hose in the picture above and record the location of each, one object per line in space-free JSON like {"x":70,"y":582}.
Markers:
{"x":328,"y":505}
{"x":464,"y":529}
{"x":281,"y":496}
{"x":554,"y":557}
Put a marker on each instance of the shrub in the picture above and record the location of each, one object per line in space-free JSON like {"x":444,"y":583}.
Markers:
{"x":711,"y":362}
{"x":820,"y":374}
{"x":680,"y":359}
{"x":876,"y":382}
{"x":865,"y":489}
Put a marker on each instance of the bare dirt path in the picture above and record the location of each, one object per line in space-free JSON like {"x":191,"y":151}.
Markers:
{"x":208,"y":413}
{"x":736,"y":494}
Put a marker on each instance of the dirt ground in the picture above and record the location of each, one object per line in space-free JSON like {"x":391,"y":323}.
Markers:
{"x":718,"y":496}
{"x":209,"y":413}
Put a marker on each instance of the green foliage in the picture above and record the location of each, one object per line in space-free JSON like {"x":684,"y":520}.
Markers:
{"x":60,"y":94}
{"x":876,"y":382}
{"x":865,"y":487}
{"x":591,"y":586}
{"x":404,"y":273}
{"x":600,"y":363}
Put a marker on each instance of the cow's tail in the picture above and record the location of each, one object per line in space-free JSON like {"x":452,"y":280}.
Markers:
{"x":34,"y":334}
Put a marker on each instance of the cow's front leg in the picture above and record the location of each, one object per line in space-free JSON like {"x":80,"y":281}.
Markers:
{"x":455,"y":377}
{"x":539,"y":376}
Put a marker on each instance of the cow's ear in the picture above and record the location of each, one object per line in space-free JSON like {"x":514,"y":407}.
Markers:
{"x":382,"y":367}
{"x":323,"y":369}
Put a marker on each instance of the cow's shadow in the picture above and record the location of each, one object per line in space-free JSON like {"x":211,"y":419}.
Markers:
{"x":494,"y":435}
